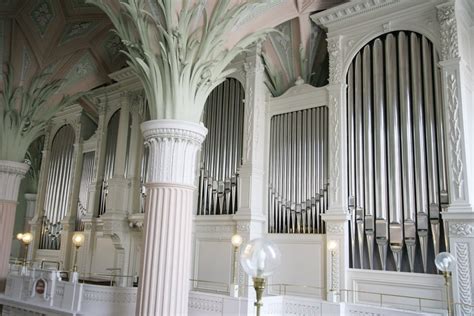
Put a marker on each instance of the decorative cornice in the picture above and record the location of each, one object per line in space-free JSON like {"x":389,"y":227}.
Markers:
{"x":350,"y":10}
{"x":449,"y":31}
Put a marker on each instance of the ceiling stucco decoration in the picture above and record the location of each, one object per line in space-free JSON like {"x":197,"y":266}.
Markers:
{"x":42,"y":15}
{"x":81,"y":4}
{"x":83,"y":68}
{"x":113,"y":45}
{"x":55,"y":35}
{"x":77,"y":29}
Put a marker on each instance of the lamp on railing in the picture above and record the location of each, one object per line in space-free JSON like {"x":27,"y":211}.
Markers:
{"x":236,"y":242}
{"x":260,"y":258}
{"x":26,"y":239}
{"x":445,"y":262}
{"x":78,"y":241}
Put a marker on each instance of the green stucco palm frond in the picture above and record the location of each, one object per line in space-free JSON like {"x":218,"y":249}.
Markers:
{"x":24,"y":112}
{"x":179,"y":56}
{"x":282,"y":72}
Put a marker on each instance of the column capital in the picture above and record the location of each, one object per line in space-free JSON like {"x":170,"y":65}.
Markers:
{"x":173,"y":145}
{"x":11,"y":174}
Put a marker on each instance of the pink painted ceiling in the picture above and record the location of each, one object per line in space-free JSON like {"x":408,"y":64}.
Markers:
{"x":69,"y":38}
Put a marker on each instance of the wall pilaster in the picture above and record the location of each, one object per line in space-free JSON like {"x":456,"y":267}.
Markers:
{"x":11,"y":174}
{"x":457,"y":83}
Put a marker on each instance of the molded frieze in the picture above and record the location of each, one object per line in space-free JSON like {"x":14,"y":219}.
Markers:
{"x":461,"y":230}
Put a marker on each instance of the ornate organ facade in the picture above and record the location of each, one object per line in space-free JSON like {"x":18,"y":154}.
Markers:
{"x":375,"y":164}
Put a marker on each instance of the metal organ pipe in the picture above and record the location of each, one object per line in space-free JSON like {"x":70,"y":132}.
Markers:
{"x":86,"y":180}
{"x":297,"y":188}
{"x":222,"y":150}
{"x":57,"y":188}
{"x":396,"y":153}
{"x":110,"y":149}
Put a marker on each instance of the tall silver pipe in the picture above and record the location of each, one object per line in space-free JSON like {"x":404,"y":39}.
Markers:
{"x":408,"y":177}
{"x":351,"y":158}
{"x":431,"y":148}
{"x":359,"y":153}
{"x":393,"y":148}
{"x":420,"y":157}
{"x":369,"y":220}
{"x":381,"y":190}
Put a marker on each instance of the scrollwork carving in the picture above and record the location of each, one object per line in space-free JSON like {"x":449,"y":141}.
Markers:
{"x":335,"y":60}
{"x":461,"y":229}
{"x":455,"y":135}
{"x":335,"y":172}
{"x":464,"y":277}
{"x":449,"y":32}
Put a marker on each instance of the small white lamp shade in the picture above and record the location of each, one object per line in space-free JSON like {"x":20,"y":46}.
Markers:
{"x":27,"y":238}
{"x":78,"y":239}
{"x":19,"y":236}
{"x":236,"y":240}
{"x":332,"y":245}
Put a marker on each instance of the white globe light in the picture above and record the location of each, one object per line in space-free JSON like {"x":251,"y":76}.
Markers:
{"x":260,"y":258}
{"x":236,"y":240}
{"x":445,"y":262}
{"x":78,"y":239}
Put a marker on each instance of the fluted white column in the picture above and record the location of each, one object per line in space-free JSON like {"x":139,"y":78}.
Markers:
{"x":164,"y":279}
{"x":11,"y":174}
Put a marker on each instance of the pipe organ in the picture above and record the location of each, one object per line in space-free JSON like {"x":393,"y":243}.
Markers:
{"x":396,"y":154}
{"x":221,"y":152}
{"x":58,"y":188}
{"x":298,"y":176}
{"x":86,"y":179}
{"x":110,"y":150}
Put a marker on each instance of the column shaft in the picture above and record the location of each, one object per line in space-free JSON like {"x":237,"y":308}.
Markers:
{"x":164,"y":278}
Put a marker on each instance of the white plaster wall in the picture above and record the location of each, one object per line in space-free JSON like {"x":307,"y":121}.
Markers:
{"x":302,"y":267}
{"x":103,"y":255}
{"x":403,"y":289}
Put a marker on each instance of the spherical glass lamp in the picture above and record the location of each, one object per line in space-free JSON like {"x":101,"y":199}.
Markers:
{"x":445,"y":262}
{"x":260,"y":258}
{"x":19,"y":236}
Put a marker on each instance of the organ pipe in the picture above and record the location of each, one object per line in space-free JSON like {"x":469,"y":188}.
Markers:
{"x":110,"y":151}
{"x":396,"y":153}
{"x":57,"y":188}
{"x":86,"y":180}
{"x":222,"y":150}
{"x":297,"y":179}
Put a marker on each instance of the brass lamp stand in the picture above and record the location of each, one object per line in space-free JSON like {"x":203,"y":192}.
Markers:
{"x":259,"y":286}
